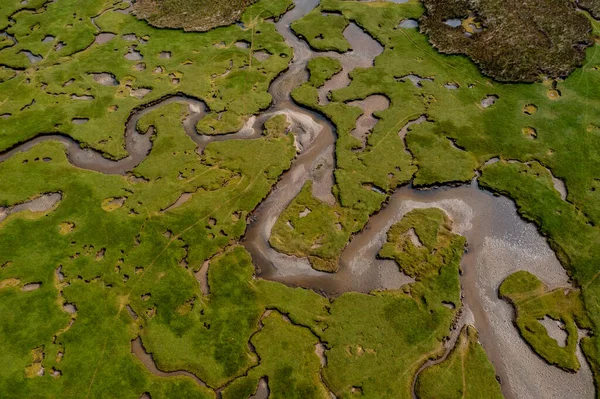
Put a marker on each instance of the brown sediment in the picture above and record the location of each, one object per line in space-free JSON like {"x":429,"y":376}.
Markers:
{"x":555,"y":330}
{"x":414,"y":79}
{"x":320,"y":351}
{"x":183,"y":198}
{"x":364,"y":51}
{"x":131,"y":312}
{"x":202,"y":278}
{"x":104,"y":37}
{"x":69,"y":308}
{"x":553,"y":94}
{"x":9,"y":282}
{"x":489,"y":101}
{"x":530,"y":109}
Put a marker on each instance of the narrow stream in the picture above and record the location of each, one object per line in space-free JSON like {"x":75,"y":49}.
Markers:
{"x":499,"y":241}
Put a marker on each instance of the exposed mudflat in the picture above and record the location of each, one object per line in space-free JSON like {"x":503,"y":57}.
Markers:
{"x":364,"y":51}
{"x":42,"y":203}
{"x":367,"y":121}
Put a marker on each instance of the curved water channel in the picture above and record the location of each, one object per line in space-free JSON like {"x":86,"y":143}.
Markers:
{"x":499,"y":241}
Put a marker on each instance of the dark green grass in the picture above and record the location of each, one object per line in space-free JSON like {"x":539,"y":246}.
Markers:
{"x":323,"y":32}
{"x":321,"y":69}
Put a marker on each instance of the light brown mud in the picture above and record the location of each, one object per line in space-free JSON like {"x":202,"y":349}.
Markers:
{"x":262,"y":390}
{"x":202,"y":278}
{"x":42,"y":203}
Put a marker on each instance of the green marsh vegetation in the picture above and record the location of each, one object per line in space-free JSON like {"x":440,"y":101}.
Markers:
{"x":419,"y":242}
{"x":114,"y":241}
{"x":323,"y":32}
{"x":547,"y":126}
{"x":533,"y":302}
{"x":322,"y":69}
{"x":325,"y":230}
{"x":64,"y":85}
{"x":132,"y":255}
{"x":465,"y":373}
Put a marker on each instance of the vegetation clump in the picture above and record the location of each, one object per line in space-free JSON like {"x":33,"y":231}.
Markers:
{"x":311,"y":228}
{"x":321,"y":69}
{"x":420,"y":241}
{"x":533,"y":302}
{"x":323,"y":32}
{"x":195,"y":15}
{"x":465,"y":373}
{"x":518,"y":41}
{"x":277,"y":126}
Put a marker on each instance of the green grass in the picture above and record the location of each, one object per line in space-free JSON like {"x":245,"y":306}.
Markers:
{"x":289,"y":362}
{"x":438,"y":160}
{"x":220,"y":123}
{"x":465,"y":373}
{"x":375,"y":342}
{"x":323,"y":32}
{"x":277,"y":126}
{"x":408,"y":326}
{"x":137,"y":261}
{"x":533,"y":301}
{"x":321,"y":69}
{"x":311,"y":228}
{"x":433,"y":231}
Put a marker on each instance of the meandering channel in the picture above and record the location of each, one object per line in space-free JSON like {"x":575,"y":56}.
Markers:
{"x":500,"y":242}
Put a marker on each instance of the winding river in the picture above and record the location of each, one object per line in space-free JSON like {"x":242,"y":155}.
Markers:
{"x":499,"y":241}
